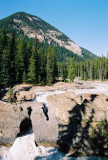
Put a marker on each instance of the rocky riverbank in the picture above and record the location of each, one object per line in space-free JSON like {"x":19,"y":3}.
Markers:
{"x":73,"y":119}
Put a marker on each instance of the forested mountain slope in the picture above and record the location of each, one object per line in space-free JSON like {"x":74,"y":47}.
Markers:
{"x":31,"y":26}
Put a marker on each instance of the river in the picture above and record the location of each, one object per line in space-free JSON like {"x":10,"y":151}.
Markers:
{"x":24,"y":147}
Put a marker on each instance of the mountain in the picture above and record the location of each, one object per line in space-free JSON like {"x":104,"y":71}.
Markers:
{"x":87,"y":54}
{"x":31,"y":26}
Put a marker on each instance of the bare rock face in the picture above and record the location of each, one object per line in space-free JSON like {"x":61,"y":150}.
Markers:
{"x":68,"y":114}
{"x":62,"y":104}
{"x":46,"y":131}
{"x":12,"y":119}
{"x":16,"y":120}
{"x":19,"y":93}
{"x":77,"y":115}
{"x":68,"y":121}
{"x":98,"y":104}
{"x":25,"y":96}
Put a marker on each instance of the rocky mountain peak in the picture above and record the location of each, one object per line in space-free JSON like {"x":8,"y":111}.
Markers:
{"x":31,"y":26}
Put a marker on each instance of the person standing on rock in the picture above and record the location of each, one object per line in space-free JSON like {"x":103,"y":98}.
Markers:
{"x":45,"y":111}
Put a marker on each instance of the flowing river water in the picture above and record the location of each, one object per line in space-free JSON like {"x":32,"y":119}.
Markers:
{"x":24,"y":147}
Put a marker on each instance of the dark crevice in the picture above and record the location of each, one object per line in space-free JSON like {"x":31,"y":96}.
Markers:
{"x":45,"y":111}
{"x":25,"y":127}
{"x":21,"y":109}
{"x":93,"y":97}
{"x":29,"y":110}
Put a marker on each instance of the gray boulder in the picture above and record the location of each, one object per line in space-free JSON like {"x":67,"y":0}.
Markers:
{"x":46,"y":131}
{"x":12,"y":121}
{"x":25,"y":96}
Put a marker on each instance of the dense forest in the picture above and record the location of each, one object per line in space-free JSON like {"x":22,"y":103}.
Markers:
{"x":22,"y":61}
{"x":26,"y":61}
{"x":89,"y":69}
{"x":93,"y":69}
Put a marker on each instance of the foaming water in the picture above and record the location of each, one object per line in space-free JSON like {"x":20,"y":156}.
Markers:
{"x":42,"y":96}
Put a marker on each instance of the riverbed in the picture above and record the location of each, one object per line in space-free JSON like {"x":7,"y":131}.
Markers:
{"x":19,"y":152}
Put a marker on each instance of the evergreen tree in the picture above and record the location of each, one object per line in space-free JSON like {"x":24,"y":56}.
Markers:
{"x":51,"y":65}
{"x":100,"y":70}
{"x":5,"y":70}
{"x":41,"y":66}
{"x":12,"y":52}
{"x":91,"y":70}
{"x":24,"y":77}
{"x":28,"y":53}
{"x":82,"y":70}
{"x":32,"y":70}
{"x":85,"y":71}
{"x":71,"y":73}
{"x":20,"y":66}
{"x":3,"y":39}
{"x":65,"y":72}
{"x":3,"y":43}
{"x":10,"y":95}
{"x":21,"y":61}
{"x":60,"y":69}
{"x":35,"y":55}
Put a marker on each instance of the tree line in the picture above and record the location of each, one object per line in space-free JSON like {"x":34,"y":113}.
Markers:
{"x":89,"y":69}
{"x":96,"y":69}
{"x":24,"y":61}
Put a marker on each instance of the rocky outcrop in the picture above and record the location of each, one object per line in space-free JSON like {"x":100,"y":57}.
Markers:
{"x":16,"y":120}
{"x":46,"y":131}
{"x":96,"y":103}
{"x":77,"y":116}
{"x":19,"y":93}
{"x":70,"y":120}
{"x":62,"y":104}
{"x":11,"y":122}
{"x":21,"y":87}
{"x":25,"y":96}
{"x":61,"y":86}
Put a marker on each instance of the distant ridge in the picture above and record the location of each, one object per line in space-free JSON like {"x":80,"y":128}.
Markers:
{"x":31,"y":26}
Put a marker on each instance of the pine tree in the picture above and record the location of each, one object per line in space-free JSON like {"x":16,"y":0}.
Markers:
{"x":5,"y":69}
{"x":85,"y":71}
{"x":32,"y":70}
{"x":12,"y":52}
{"x":35,"y":55}
{"x":10,"y":95}
{"x":3,"y":43}
{"x":51,"y":65}
{"x":41,"y":66}
{"x":100,"y":69}
{"x":24,"y":77}
{"x":3,"y":39}
{"x":65,"y":72}
{"x":71,"y":73}
{"x":20,"y":66}
{"x":91,"y":70}
{"x":28,"y":53}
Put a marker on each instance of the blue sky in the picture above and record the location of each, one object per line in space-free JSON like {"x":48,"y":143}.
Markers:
{"x":83,"y":21}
